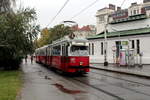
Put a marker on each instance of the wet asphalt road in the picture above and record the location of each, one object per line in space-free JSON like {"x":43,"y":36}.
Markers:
{"x":41,"y":83}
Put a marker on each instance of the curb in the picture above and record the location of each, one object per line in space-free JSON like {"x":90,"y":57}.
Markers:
{"x":122,"y":72}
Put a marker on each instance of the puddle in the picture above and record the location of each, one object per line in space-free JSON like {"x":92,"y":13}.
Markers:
{"x":65,"y":90}
{"x":40,"y":71}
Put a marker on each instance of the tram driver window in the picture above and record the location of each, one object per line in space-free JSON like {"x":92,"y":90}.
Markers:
{"x":79,"y":50}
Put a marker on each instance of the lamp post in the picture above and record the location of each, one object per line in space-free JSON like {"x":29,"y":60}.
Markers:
{"x":105,"y":43}
{"x":105,"y":47}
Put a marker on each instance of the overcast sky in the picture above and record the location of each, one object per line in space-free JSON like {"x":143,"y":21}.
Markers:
{"x":47,"y":9}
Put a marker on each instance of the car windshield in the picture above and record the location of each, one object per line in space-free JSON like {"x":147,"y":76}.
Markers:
{"x":79,"y":50}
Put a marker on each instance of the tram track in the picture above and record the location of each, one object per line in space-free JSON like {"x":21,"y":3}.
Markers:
{"x":75,"y":81}
{"x":106,"y":91}
{"x":148,"y":85}
{"x":133,"y":90}
{"x":115,"y":96}
{"x":99,"y":89}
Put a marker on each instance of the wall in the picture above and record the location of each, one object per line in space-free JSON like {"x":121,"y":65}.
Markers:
{"x":101,"y":19}
{"x":144,"y":48}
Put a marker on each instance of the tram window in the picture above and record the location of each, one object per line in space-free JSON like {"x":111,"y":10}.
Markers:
{"x":57,"y":50}
{"x":63,"y":50}
{"x":89,"y":48}
{"x":79,"y":50}
{"x":66,"y":48}
{"x":49,"y":51}
{"x":92,"y":48}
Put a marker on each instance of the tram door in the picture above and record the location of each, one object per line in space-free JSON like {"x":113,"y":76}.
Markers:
{"x":46,"y":57}
{"x":64,"y":58}
{"x":49,"y":57}
{"x":64,"y":55}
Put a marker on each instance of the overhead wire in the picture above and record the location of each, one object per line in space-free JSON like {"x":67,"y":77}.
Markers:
{"x":84,"y":9}
{"x":58,"y":12}
{"x":122,"y":3}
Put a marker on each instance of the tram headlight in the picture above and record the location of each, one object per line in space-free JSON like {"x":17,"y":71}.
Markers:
{"x":73,"y":60}
{"x":81,"y":63}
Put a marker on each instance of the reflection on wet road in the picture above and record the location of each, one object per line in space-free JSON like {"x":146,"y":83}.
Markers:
{"x":41,"y":83}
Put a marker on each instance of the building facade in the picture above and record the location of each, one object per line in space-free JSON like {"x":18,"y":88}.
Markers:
{"x":102,"y":16}
{"x":119,"y":43}
{"x":128,"y":34}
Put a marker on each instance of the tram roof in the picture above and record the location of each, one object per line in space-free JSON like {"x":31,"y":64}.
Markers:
{"x":42,"y":47}
{"x":62,"y":41}
{"x":69,"y":40}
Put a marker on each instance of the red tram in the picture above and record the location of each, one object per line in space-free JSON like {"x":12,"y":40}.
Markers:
{"x":65,"y":55}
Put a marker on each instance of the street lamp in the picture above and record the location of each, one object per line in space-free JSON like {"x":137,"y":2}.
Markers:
{"x":105,"y":43}
{"x":105,"y":47}
{"x":69,"y":22}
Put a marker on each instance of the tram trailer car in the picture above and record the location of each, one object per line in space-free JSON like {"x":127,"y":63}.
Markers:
{"x":40,"y":55}
{"x":65,"y":55}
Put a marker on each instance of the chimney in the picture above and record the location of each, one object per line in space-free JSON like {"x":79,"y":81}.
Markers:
{"x":145,"y":1}
{"x":111,"y":6}
{"x":118,"y":8}
{"x":134,"y":3}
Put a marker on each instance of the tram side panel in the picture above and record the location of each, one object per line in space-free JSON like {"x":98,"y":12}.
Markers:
{"x":78,"y":64}
{"x":48,"y":56}
{"x":56,"y":62}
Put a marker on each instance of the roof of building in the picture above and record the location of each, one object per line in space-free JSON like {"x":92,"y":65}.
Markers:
{"x":84,"y":28}
{"x":122,"y":33}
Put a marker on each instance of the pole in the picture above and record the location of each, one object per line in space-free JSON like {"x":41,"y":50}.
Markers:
{"x":105,"y":44}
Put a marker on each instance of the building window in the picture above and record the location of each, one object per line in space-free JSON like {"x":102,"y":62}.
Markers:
{"x":89,"y":49}
{"x":138,"y":46}
{"x":138,"y":11}
{"x":101,"y":19}
{"x":92,"y":48}
{"x":133,"y":46}
{"x":102,"y":48}
{"x":134,"y":12}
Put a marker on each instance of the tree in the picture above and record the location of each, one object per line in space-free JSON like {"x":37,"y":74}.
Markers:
{"x":17,"y":35}
{"x":49,"y":35}
{"x":5,"y":5}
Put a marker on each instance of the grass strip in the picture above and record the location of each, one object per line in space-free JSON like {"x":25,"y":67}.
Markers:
{"x":10,"y":84}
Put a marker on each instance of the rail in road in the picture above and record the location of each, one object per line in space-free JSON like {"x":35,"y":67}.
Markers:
{"x":132,"y":82}
{"x":102,"y":85}
{"x":122,"y":79}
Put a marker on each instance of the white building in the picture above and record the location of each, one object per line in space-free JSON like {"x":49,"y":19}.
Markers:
{"x":133,"y":39}
{"x":102,"y":16}
{"x":128,"y":36}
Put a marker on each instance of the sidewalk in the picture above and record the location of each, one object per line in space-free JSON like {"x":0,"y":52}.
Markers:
{"x":136,"y":71}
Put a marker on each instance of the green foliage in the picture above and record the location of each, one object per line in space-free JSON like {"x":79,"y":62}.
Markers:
{"x":17,"y":34}
{"x":6,"y":5}
{"x":54,"y":33}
